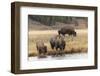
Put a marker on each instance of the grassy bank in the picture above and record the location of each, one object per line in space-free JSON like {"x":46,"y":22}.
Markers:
{"x":73,"y":45}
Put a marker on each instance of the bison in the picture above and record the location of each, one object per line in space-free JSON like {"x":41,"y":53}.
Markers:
{"x":58,"y":42}
{"x":41,"y":48}
{"x":67,"y":30}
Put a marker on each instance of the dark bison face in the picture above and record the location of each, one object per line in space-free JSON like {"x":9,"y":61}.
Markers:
{"x":44,"y":49}
{"x":74,"y":34}
{"x":60,"y":32}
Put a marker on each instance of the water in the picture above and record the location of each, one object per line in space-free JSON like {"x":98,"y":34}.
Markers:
{"x":67,"y":56}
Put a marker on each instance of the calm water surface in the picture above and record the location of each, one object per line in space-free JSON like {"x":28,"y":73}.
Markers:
{"x":67,"y":56}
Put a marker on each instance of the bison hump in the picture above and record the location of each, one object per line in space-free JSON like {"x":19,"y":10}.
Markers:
{"x":68,"y":27}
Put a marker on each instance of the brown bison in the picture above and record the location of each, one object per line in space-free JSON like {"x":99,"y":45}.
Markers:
{"x":41,"y":48}
{"x":67,"y":30}
{"x":58,"y":42}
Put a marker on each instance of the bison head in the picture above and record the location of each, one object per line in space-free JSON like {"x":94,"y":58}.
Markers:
{"x":60,"y":32}
{"x":74,"y":34}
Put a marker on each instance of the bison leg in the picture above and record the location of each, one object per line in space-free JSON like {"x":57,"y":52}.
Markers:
{"x":39,"y":52}
{"x":45,"y":50}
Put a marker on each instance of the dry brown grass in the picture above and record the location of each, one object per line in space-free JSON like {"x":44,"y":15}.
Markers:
{"x":77,"y":44}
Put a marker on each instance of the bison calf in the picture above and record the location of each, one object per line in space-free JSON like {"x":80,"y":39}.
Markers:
{"x":41,"y":48}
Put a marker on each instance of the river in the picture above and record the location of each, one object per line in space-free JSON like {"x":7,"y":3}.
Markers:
{"x":67,"y":56}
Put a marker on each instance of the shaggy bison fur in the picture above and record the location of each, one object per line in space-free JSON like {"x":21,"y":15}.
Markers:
{"x":58,"y":42}
{"x":41,"y":48}
{"x":67,"y":30}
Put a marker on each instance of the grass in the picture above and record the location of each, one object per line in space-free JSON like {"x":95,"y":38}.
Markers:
{"x":73,"y":45}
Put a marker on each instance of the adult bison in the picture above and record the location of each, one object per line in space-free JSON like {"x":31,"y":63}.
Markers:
{"x":41,"y":48}
{"x":67,"y":30}
{"x":58,"y":43}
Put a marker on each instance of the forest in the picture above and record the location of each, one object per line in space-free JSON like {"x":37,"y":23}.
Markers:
{"x":51,"y":20}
